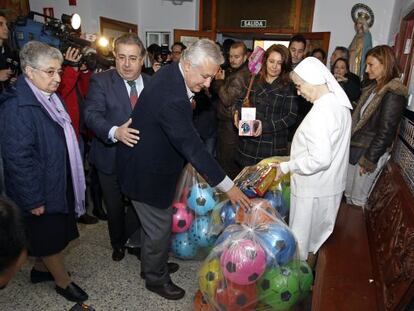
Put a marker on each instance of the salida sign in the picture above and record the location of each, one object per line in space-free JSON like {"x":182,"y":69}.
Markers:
{"x":253,"y":23}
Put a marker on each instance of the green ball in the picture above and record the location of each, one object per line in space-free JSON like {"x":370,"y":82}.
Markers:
{"x":279,"y":288}
{"x":286,"y":196}
{"x":304,"y":274}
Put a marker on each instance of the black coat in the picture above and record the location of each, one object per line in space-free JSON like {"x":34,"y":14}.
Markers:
{"x":149,"y":171}
{"x":374,"y":132}
{"x":277,"y":107}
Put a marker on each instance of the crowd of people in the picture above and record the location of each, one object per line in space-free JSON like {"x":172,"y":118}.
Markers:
{"x":131,"y":129}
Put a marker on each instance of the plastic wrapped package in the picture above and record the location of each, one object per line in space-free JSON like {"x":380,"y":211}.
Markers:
{"x":192,"y":220}
{"x":254,"y":265}
{"x":278,"y":193}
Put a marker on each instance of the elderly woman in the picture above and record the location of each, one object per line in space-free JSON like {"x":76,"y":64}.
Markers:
{"x":42,"y":165}
{"x":276,"y":105}
{"x":374,"y":123}
{"x":349,"y":81}
{"x":320,"y":149}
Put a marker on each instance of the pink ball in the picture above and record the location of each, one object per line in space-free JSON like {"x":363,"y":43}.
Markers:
{"x":243,"y":262}
{"x":182,"y":218}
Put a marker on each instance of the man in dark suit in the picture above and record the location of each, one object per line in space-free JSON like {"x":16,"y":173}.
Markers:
{"x":148,"y":172}
{"x":108,"y":106}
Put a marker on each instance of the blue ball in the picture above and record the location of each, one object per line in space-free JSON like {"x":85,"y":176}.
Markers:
{"x":201,"y":198}
{"x":199,"y":232}
{"x":182,"y":246}
{"x":228,"y":214}
{"x":275,"y":199}
{"x":278,"y":242}
{"x":228,"y":234}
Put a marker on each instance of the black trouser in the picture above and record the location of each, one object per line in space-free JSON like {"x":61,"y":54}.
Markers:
{"x":155,"y":242}
{"x":115,"y":209}
{"x":227,"y":148}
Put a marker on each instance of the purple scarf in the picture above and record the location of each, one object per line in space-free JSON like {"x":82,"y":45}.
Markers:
{"x":57,"y":112}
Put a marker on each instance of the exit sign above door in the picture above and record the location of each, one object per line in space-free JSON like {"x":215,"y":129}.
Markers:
{"x":253,"y":23}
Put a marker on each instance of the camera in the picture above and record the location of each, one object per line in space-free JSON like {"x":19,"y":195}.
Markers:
{"x":162,"y":56}
{"x":93,"y":60}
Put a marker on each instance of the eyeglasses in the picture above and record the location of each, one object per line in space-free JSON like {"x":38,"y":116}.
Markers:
{"x":50,"y":72}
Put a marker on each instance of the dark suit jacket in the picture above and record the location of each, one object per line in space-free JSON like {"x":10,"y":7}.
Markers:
{"x":106,"y":105}
{"x":149,"y":171}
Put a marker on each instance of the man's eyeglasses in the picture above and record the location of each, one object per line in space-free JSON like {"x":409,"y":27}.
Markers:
{"x":50,"y":72}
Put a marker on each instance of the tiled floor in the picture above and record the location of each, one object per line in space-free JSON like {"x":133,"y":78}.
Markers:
{"x":110,"y":285}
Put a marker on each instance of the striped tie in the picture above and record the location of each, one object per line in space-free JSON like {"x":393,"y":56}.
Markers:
{"x":133,"y":95}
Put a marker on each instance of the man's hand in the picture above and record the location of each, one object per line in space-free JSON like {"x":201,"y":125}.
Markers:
{"x":5,"y":74}
{"x":156,"y":66}
{"x":73,"y":55}
{"x":38,"y":210}
{"x":220,"y":75}
{"x":127,"y":135}
{"x":238,"y":197}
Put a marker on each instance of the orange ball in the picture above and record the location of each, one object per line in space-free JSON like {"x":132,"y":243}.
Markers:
{"x":235,"y":297}
{"x":200,"y":304}
{"x":260,"y":213}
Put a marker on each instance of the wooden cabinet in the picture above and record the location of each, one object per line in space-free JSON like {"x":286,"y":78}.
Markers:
{"x":281,"y":16}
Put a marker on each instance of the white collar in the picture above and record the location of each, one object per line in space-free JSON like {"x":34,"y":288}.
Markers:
{"x":190,"y":94}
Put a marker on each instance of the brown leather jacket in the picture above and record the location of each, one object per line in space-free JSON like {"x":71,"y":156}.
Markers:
{"x":373,"y":134}
{"x":231,"y":90}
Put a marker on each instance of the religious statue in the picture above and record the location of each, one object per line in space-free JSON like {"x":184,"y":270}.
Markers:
{"x":363,"y":18}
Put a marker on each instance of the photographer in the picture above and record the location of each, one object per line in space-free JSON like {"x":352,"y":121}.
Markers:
{"x":7,"y":74}
{"x":158,"y":57}
{"x":73,"y":89}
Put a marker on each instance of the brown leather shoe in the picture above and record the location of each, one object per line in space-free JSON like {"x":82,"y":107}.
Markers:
{"x":168,"y":290}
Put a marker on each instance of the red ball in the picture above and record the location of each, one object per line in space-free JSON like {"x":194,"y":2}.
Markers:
{"x":235,"y":297}
{"x":200,"y":304}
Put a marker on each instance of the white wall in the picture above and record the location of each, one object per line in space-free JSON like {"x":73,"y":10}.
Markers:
{"x":335,"y":16}
{"x":149,"y":15}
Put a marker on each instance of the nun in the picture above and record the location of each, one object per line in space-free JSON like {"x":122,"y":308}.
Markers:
{"x":319,"y":157}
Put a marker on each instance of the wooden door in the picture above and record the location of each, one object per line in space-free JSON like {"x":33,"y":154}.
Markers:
{"x":189,"y":36}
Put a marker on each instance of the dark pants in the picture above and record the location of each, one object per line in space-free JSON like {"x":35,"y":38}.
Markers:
{"x":115,"y":209}
{"x":155,"y":241}
{"x":227,"y":148}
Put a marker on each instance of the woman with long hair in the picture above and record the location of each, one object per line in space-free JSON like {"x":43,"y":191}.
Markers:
{"x":275,"y":100}
{"x":374,"y":123}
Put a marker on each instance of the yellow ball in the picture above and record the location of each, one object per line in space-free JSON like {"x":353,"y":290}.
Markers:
{"x":209,"y":277}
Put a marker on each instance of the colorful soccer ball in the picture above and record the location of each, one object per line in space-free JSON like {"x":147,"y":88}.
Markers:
{"x":275,"y":199}
{"x":199,"y":232}
{"x":182,"y":246}
{"x":209,"y":277}
{"x":200,"y":303}
{"x":235,"y":297}
{"x":278,"y":288}
{"x":285,"y":198}
{"x":182,"y":218}
{"x":243,"y":261}
{"x":228,"y":213}
{"x":260,"y":213}
{"x":201,"y":198}
{"x":304,"y":274}
{"x":279,"y":243}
